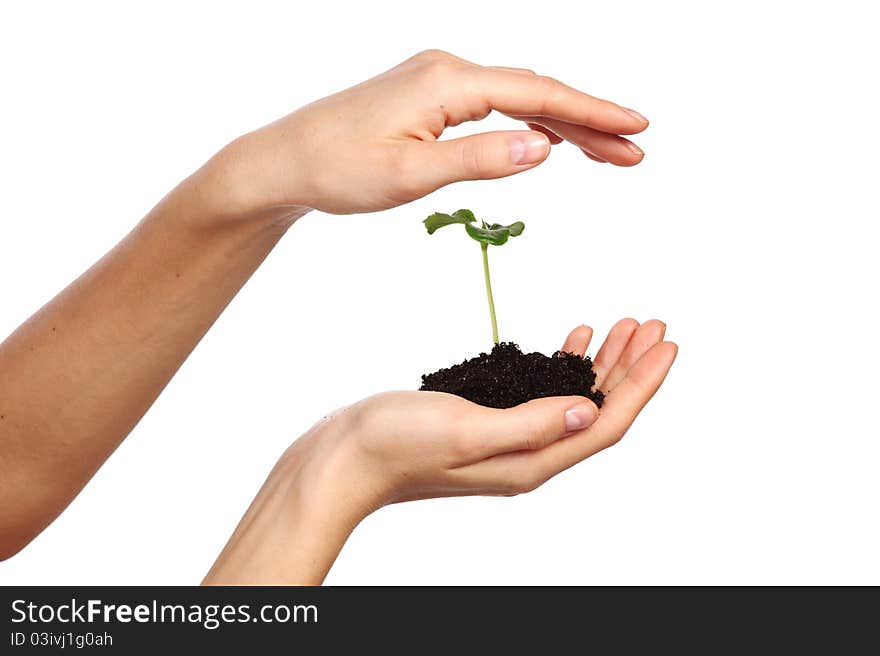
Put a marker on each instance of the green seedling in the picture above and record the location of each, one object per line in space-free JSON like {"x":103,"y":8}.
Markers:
{"x":485,"y":233}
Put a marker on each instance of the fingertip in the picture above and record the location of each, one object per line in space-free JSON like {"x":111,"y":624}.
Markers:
{"x":585,"y":331}
{"x":656,"y":325}
{"x":529,"y":148}
{"x":668,"y":351}
{"x":544,"y":139}
{"x":639,"y":123}
{"x":581,"y":416}
{"x":632,"y":154}
{"x":662,"y":355}
{"x":578,"y":339}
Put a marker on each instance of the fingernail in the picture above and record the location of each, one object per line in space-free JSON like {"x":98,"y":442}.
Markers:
{"x":635,"y":149}
{"x":580,"y":416}
{"x":634,"y":114}
{"x":529,"y":149}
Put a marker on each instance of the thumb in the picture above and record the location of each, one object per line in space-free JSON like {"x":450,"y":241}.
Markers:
{"x":483,"y":156}
{"x":532,"y":425}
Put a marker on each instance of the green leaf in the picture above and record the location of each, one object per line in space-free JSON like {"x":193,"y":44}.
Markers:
{"x":466,"y":215}
{"x":516,"y":228}
{"x":439,"y":220}
{"x":495,"y":234}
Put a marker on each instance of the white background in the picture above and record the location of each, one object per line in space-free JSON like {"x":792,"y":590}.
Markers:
{"x":750,"y":228}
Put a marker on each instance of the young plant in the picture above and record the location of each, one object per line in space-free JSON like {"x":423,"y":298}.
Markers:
{"x":485,"y":233}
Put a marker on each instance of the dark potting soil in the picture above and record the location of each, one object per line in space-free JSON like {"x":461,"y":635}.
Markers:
{"x":507,"y":377}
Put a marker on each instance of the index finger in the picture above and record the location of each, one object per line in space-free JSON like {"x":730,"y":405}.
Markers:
{"x":517,"y":94}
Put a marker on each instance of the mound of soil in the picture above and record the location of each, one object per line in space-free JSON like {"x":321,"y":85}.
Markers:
{"x":507,"y":377}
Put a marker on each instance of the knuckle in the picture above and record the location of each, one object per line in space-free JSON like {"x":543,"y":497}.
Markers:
{"x":482,"y":110}
{"x":535,"y":436}
{"x":511,"y":488}
{"x":533,"y":481}
{"x":432,"y":55}
{"x":533,"y":442}
{"x":611,"y":437}
{"x":530,"y":486}
{"x":434,"y":64}
{"x":614,"y":439}
{"x":524,"y":483}
{"x":548,"y":89}
{"x":520,"y":478}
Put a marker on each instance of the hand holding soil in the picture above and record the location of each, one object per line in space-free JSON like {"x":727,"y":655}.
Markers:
{"x":404,"y":446}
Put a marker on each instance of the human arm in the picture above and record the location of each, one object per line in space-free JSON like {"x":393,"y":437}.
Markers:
{"x":77,"y":376}
{"x":405,"y":446}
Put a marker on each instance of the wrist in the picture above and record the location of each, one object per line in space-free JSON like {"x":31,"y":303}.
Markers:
{"x":328,"y":471}
{"x":260,"y":178}
{"x":298,"y":523}
{"x":229,"y":195}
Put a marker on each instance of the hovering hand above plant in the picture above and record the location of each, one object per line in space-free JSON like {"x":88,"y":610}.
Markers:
{"x":404,"y":446}
{"x":376,"y":145}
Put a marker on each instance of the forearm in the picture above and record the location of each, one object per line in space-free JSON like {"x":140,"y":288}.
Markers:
{"x":79,"y":374}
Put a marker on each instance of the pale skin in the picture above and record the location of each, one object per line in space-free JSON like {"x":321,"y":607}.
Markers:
{"x":405,"y":446}
{"x":78,"y":375}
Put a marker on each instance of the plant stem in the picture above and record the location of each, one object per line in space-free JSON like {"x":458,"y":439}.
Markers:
{"x":485,"y":248}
